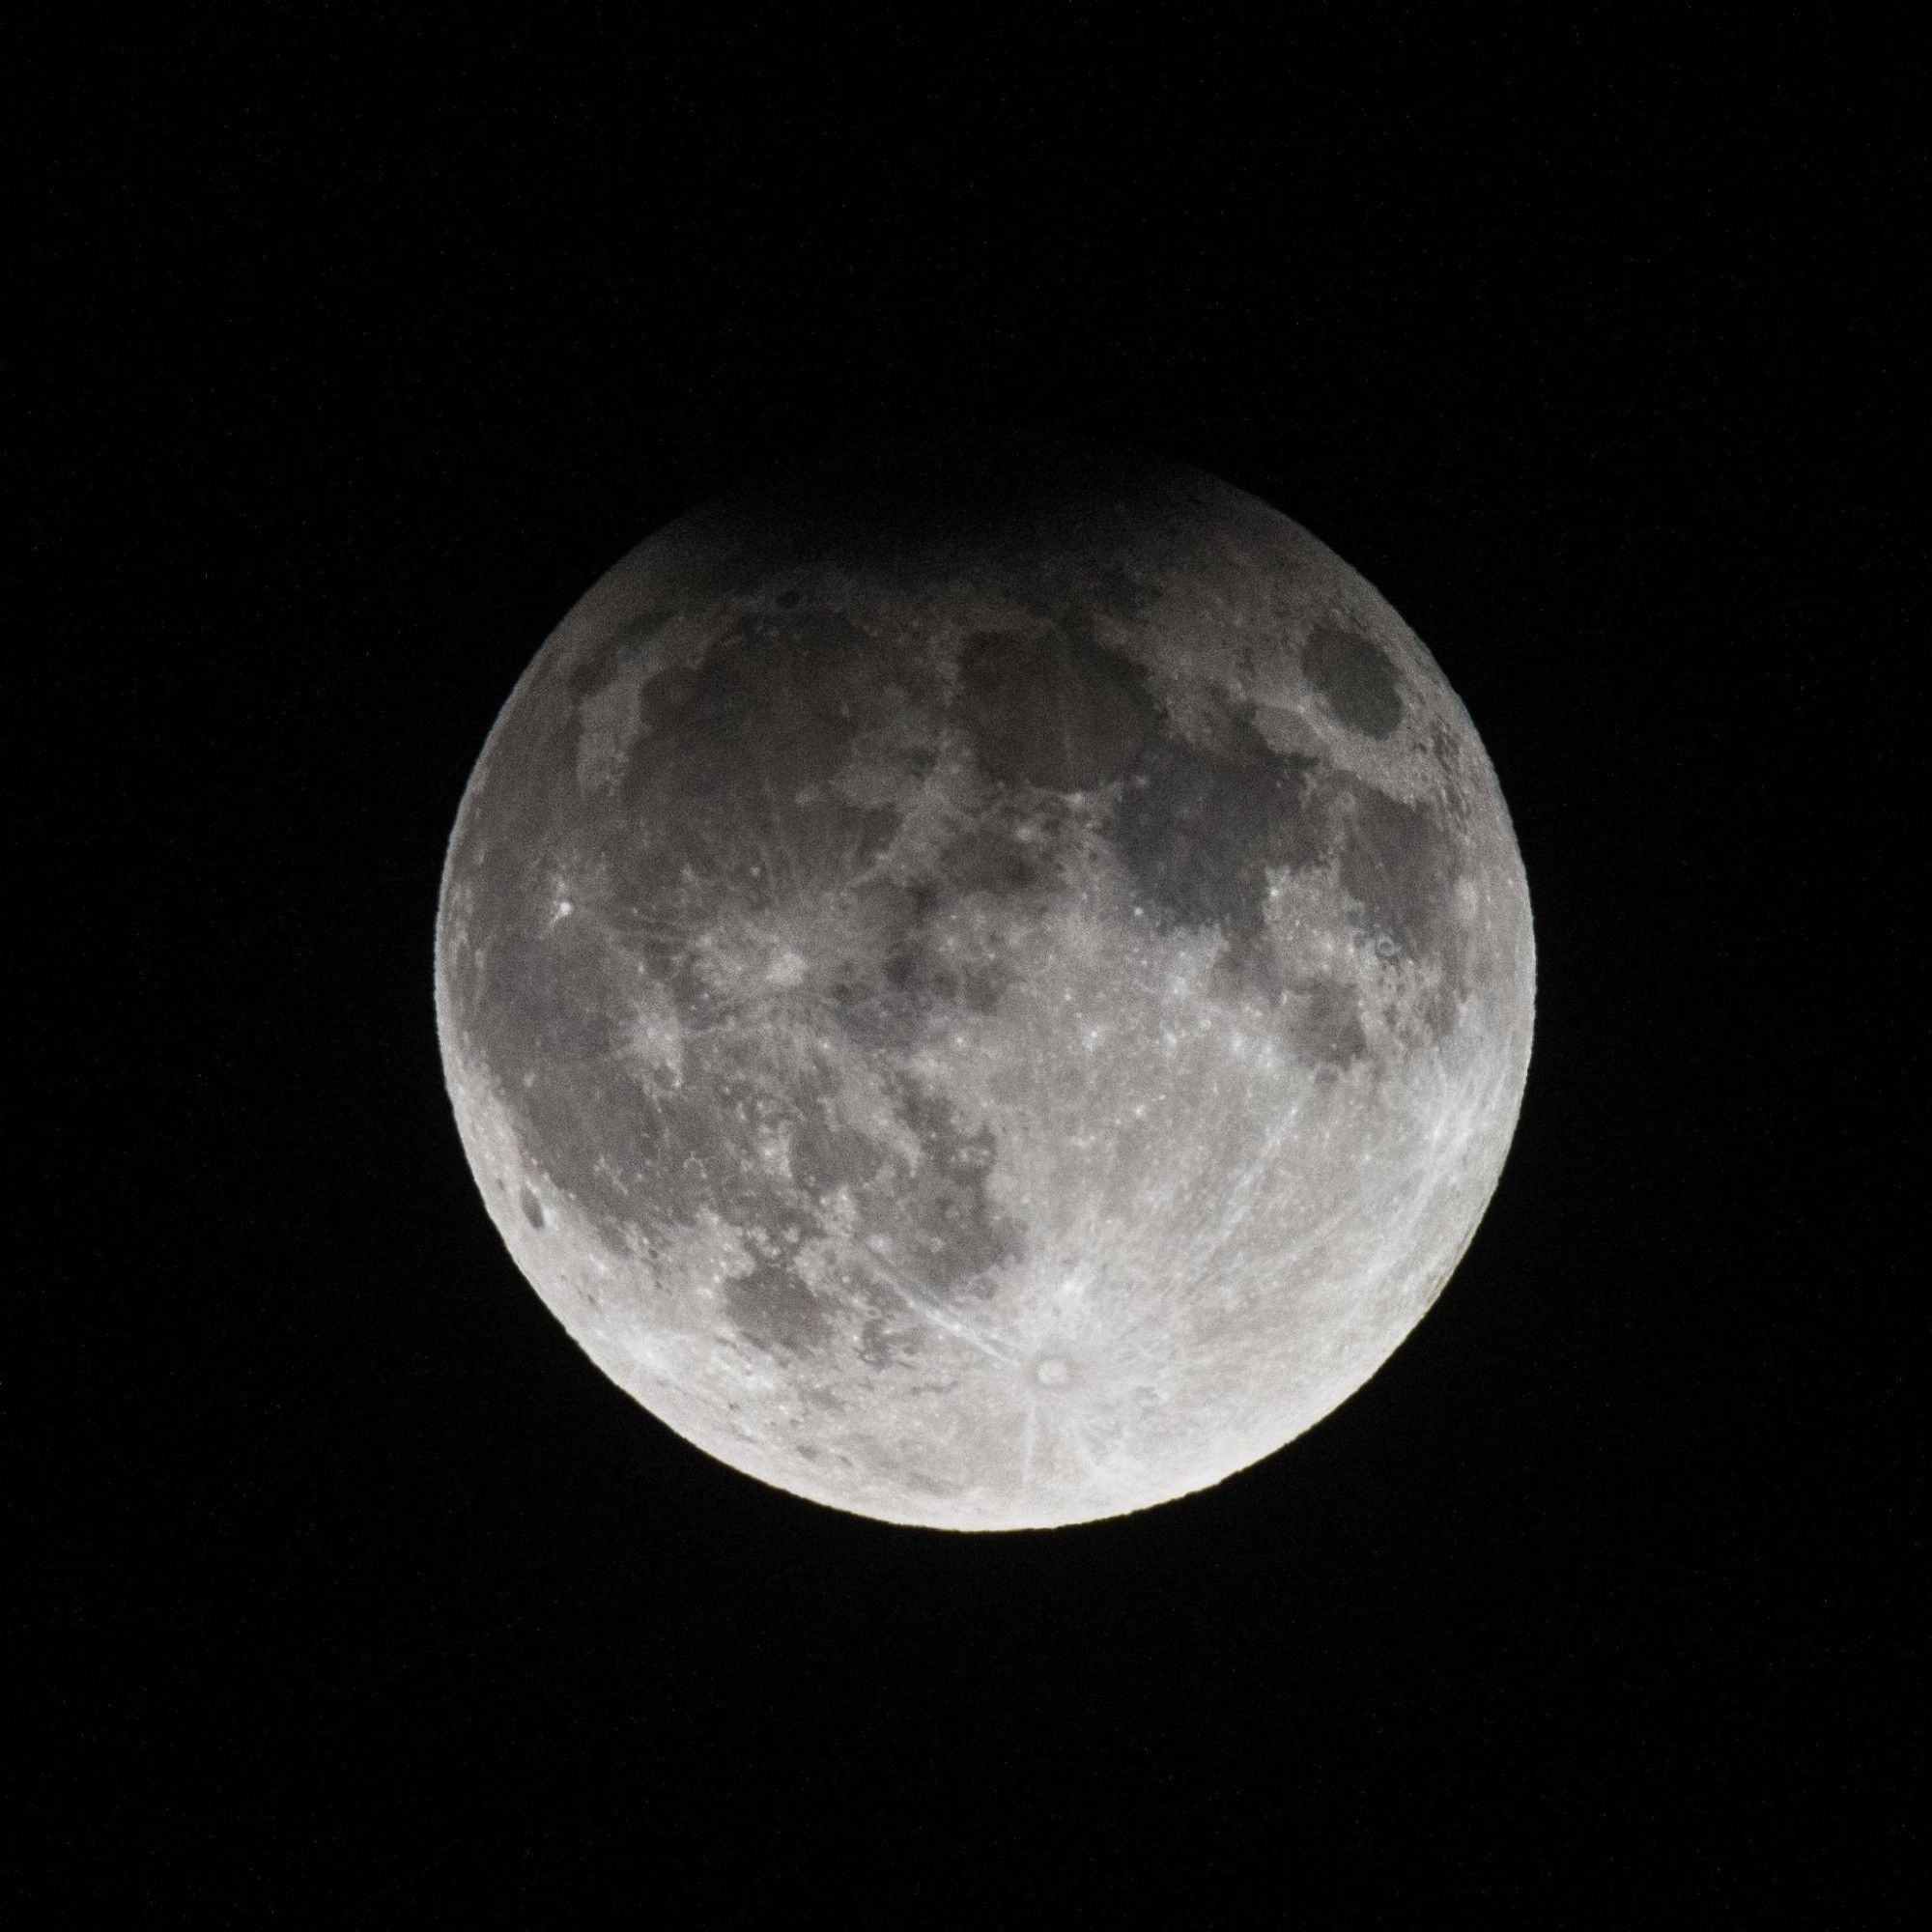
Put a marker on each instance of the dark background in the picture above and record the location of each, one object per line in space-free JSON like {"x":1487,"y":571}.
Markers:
{"x":351,"y":1586}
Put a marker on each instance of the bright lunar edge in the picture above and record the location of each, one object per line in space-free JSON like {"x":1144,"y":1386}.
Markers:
{"x":987,"y":981}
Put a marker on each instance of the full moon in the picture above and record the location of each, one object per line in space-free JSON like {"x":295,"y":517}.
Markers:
{"x":986,"y":980}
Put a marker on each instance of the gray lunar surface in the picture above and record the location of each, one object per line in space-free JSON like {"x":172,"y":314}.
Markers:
{"x":986,"y":982}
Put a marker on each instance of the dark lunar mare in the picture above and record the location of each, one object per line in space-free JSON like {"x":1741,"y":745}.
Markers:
{"x":1198,"y":826}
{"x":1356,"y":680}
{"x":737,"y":755}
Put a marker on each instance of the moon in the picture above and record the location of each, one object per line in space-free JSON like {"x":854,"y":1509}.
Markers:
{"x":985,"y":979}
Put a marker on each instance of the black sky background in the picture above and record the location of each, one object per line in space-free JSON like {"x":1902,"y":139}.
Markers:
{"x":351,"y":1586}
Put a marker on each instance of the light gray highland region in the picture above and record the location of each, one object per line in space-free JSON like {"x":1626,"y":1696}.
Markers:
{"x":987,"y":981}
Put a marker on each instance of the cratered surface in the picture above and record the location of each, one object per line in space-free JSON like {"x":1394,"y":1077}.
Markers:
{"x":987,"y":982}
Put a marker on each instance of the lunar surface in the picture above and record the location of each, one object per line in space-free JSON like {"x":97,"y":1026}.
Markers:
{"x":986,"y":982}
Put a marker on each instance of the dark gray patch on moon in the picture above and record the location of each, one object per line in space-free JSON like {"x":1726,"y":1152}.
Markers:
{"x":1399,"y":865}
{"x":728,"y":786}
{"x":773,"y":1310}
{"x":1054,"y":710}
{"x":601,"y":664}
{"x":938,"y":1215}
{"x":1328,"y":1023}
{"x":1356,"y":680}
{"x":936,"y":958}
{"x":1197,"y":828}
{"x":796,"y":688}
{"x":827,"y":1154}
{"x":729,"y":819}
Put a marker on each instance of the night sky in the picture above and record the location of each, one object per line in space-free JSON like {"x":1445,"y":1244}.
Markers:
{"x":351,"y":1586}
